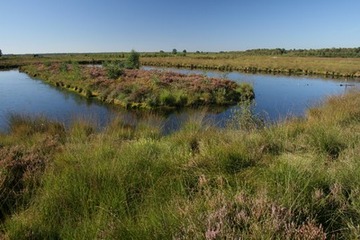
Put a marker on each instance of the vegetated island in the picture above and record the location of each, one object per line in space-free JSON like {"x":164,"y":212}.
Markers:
{"x":141,"y":89}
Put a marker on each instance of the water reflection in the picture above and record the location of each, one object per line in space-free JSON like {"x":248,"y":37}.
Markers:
{"x":276,"y":98}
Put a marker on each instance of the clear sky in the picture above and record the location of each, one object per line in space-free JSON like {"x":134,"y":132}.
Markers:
{"x":48,"y":26}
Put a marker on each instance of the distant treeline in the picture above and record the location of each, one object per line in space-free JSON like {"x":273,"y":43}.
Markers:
{"x":324,"y":52}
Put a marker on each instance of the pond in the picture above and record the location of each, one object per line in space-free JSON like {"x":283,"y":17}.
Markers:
{"x":276,"y":98}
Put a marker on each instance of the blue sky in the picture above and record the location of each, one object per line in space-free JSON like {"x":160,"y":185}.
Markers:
{"x":47,"y":26}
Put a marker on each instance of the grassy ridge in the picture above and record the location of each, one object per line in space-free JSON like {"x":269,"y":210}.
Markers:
{"x":139,"y":88}
{"x":327,"y":67}
{"x":295,"y":180}
{"x":15,"y":61}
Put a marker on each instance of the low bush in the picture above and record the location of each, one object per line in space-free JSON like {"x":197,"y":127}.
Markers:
{"x":133,"y":60}
{"x":113,"y":70}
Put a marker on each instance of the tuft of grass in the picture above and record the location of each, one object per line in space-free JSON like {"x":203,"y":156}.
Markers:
{"x":167,"y":98}
{"x":327,"y":141}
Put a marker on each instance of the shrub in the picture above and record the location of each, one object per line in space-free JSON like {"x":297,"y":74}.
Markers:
{"x":133,"y":61}
{"x":114,"y":69}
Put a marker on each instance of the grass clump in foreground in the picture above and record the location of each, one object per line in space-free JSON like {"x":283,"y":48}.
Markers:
{"x":134,"y":88}
{"x":295,"y":180}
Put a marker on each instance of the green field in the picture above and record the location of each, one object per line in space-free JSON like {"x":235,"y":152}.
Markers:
{"x":293,"y":180}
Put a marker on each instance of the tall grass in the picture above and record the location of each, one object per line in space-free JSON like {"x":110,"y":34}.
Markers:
{"x":24,"y":154}
{"x":294,"y":180}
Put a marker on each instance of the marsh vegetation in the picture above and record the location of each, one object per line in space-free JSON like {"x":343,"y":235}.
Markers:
{"x":294,"y":180}
{"x":331,"y":63}
{"x":134,"y":88}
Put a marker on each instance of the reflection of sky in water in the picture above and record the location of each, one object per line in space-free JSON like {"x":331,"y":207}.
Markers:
{"x":276,"y":98}
{"x":22,"y":95}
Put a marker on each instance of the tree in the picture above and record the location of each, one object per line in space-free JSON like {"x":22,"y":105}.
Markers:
{"x":184,"y":51}
{"x":133,"y":60}
{"x":174,"y":51}
{"x":0,"y":53}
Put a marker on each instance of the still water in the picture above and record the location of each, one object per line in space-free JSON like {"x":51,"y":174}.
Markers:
{"x":276,"y":98}
{"x":20,"y":94}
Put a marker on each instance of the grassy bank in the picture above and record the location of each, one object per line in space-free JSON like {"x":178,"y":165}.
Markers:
{"x":326,"y":67}
{"x":295,"y":180}
{"x":133,"y":88}
{"x":15,"y":61}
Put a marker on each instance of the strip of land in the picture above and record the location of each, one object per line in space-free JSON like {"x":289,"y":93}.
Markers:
{"x":325,"y":67}
{"x":331,"y":67}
